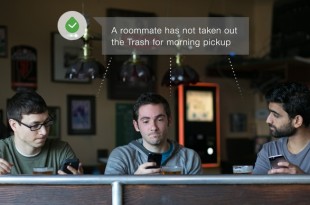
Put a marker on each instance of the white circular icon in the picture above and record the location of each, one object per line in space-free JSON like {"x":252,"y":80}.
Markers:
{"x":72,"y":25}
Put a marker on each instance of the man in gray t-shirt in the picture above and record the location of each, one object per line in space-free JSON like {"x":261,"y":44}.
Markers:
{"x":288,"y":121}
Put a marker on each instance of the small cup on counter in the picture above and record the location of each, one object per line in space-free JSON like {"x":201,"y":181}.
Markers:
{"x":242,"y":169}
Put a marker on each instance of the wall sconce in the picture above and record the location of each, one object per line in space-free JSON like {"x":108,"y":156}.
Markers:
{"x":180,"y":74}
{"x":87,"y":66}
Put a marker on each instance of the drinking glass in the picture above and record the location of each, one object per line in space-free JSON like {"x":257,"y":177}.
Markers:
{"x":171,"y":170}
{"x":42,"y":171}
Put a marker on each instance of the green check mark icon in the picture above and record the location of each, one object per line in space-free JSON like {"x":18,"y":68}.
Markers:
{"x":72,"y":25}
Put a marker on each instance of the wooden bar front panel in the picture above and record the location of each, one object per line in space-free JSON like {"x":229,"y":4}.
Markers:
{"x":216,"y":194}
{"x":56,"y":194}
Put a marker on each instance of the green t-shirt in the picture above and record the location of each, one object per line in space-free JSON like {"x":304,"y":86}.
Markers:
{"x":52,"y":154}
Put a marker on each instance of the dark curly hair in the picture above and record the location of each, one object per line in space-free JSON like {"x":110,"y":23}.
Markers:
{"x":294,"y":98}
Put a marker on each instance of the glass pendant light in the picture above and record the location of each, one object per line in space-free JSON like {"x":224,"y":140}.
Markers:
{"x":134,"y":70}
{"x":87,"y":67}
{"x":180,"y":74}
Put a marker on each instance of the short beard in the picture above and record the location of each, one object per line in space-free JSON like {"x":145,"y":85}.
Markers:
{"x":283,"y":133}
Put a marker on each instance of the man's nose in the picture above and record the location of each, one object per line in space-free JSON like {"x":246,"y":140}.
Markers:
{"x":43,"y":130}
{"x":154,"y":125}
{"x":268,"y":120}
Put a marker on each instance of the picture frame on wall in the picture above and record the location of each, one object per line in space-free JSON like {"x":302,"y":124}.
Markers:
{"x":117,"y":89}
{"x":3,"y":42}
{"x":238,"y":122}
{"x":81,"y":115}
{"x":54,"y":112}
{"x":64,"y":54}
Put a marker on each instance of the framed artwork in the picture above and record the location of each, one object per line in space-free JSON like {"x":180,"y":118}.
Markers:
{"x":3,"y":42}
{"x":117,"y":89}
{"x":64,"y":54}
{"x":24,"y":67}
{"x":81,"y":114}
{"x":54,"y":111}
{"x":238,"y":122}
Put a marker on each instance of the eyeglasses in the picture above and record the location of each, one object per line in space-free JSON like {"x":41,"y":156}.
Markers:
{"x":35,"y":127}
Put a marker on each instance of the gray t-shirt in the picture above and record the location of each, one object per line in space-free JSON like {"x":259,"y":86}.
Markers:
{"x":52,"y":154}
{"x":262,"y":164}
{"x":125,"y":160}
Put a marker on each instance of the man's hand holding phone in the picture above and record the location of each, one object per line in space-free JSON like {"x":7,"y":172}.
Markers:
{"x":71,"y":166}
{"x":154,"y":157}
{"x":145,"y":168}
{"x":275,"y":159}
{"x":152,"y":166}
{"x":281,"y":166}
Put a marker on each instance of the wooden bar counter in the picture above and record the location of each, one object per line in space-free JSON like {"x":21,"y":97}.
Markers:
{"x":170,"y":190}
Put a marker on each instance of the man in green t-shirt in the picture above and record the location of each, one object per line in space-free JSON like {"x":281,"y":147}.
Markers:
{"x":29,"y":147}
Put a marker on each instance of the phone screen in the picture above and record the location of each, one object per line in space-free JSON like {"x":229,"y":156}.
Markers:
{"x":154,"y":157}
{"x":72,"y":162}
{"x":275,"y":159}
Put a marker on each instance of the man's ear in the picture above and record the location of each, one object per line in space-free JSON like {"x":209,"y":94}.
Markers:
{"x":298,"y":121}
{"x":13,"y":124}
{"x":135,"y":124}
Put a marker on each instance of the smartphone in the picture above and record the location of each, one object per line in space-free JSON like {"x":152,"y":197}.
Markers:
{"x":275,"y":159}
{"x":72,"y":162}
{"x":154,"y":157}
